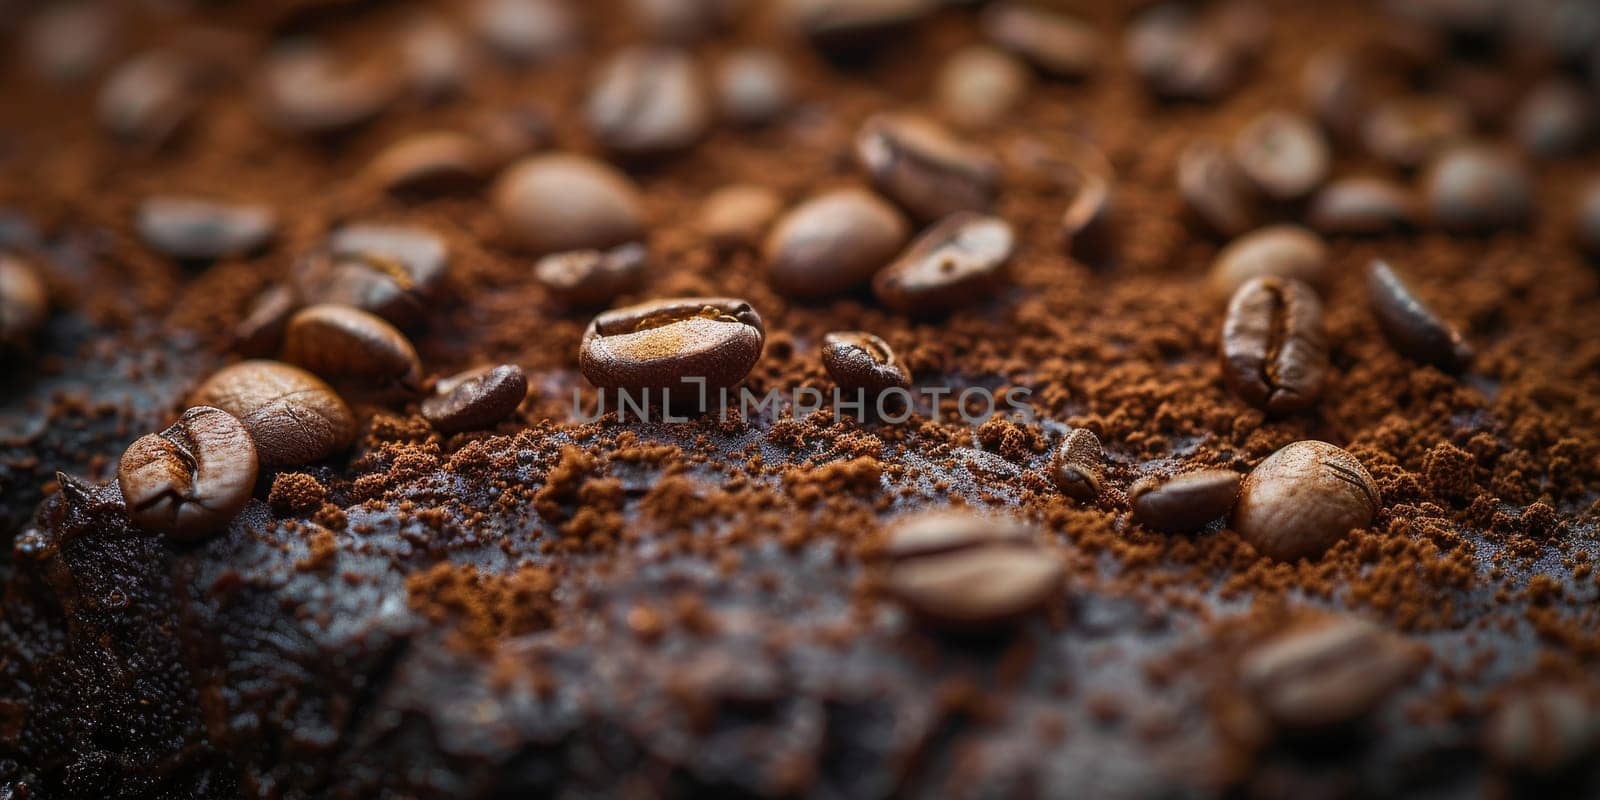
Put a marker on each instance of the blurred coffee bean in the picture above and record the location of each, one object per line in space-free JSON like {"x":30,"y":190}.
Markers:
{"x":1179,"y":56}
{"x":560,"y":202}
{"x":979,"y":86}
{"x":1088,"y":225}
{"x":1055,"y":44}
{"x":1484,"y":90}
{"x":954,"y":263}
{"x":965,"y":573}
{"x":1285,"y":251}
{"x":438,"y":162}
{"x":682,"y":345}
{"x":924,"y":168}
{"x":1078,"y":467}
{"x":1283,"y":154}
{"x":1214,"y":189}
{"x":832,"y":243}
{"x":683,"y":20}
{"x":476,"y":399}
{"x":1362,"y":206}
{"x":260,"y":331}
{"x":592,"y":277}
{"x":148,"y":97}
{"x":24,"y":303}
{"x":192,"y":478}
{"x":1587,"y":223}
{"x":291,"y":414}
{"x":738,"y":215}
{"x":754,"y":86}
{"x":353,"y":349}
{"x":1542,"y":730}
{"x":851,"y":27}
{"x":389,"y":270}
{"x":1303,"y":499}
{"x":1335,"y":87}
{"x":1274,"y":350}
{"x":438,"y":59}
{"x":1474,"y":188}
{"x":65,"y":42}
{"x":195,"y":229}
{"x":525,"y":30}
{"x":507,"y":134}
{"x":1410,"y":326}
{"x":1185,"y":503}
{"x":1320,"y":674}
{"x":1407,"y":131}
{"x":648,"y":101}
{"x":1556,"y":119}
{"x":857,"y":360}
{"x":307,"y":90}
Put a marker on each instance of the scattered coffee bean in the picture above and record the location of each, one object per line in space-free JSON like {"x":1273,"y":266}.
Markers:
{"x":592,"y":277}
{"x":308,"y":90}
{"x":1304,"y":498}
{"x":1180,"y":57}
{"x":1324,"y":673}
{"x":476,"y":399}
{"x":1362,"y":206}
{"x":507,"y":134}
{"x":561,"y":202}
{"x":1543,"y":730}
{"x":260,"y":331}
{"x":1286,"y":251}
{"x":525,"y":30}
{"x":860,"y":360}
{"x":978,"y":86}
{"x":194,"y":229}
{"x":648,"y":101}
{"x":1410,"y":326}
{"x":148,"y":97}
{"x":65,"y":42}
{"x":954,"y":263}
{"x":352,"y":348}
{"x":963,"y":572}
{"x":673,"y":345}
{"x":850,"y":27}
{"x":1557,"y":119}
{"x":1088,"y":227}
{"x":1284,"y":154}
{"x":291,"y":414}
{"x":192,"y":478}
{"x":754,"y":87}
{"x":1336,"y":88}
{"x":24,"y":303}
{"x":390,"y":270}
{"x":1588,"y":221}
{"x":1476,"y":189}
{"x":1214,"y":189}
{"x":1274,"y":350}
{"x":1185,"y":503}
{"x":833,"y":242}
{"x":924,"y":168}
{"x":1079,"y":465}
{"x":438,"y":60}
{"x":430,"y":163}
{"x":1056,"y":44}
{"x":1408,"y":131}
{"x":738,"y":215}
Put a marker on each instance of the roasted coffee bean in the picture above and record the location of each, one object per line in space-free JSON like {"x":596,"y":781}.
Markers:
{"x":1543,"y":730}
{"x":978,"y":86}
{"x":352,"y":348}
{"x":476,"y":399}
{"x":1079,"y":466}
{"x":738,"y":215}
{"x":1408,"y":131}
{"x":1410,"y":326}
{"x":848,"y":27}
{"x":954,"y":263}
{"x":507,"y":134}
{"x":1056,"y":44}
{"x":754,"y":87}
{"x":860,"y":360}
{"x":389,"y":270}
{"x":1185,"y":503}
{"x":555,"y":203}
{"x":592,"y":277}
{"x":673,"y":345}
{"x":1477,"y":189}
{"x":260,"y":331}
{"x":1588,"y":219}
{"x":308,"y":90}
{"x":65,"y":42}
{"x":1324,"y":673}
{"x":1337,"y":90}
{"x":1557,"y":119}
{"x":525,"y":30}
{"x":1274,"y":350}
{"x":24,"y":303}
{"x":924,"y":168}
{"x":1283,"y":154}
{"x":430,"y":163}
{"x":1286,"y":251}
{"x":291,"y":414}
{"x":1362,"y":206}
{"x":1214,"y":190}
{"x":963,"y":572}
{"x":1179,"y":56}
{"x":646,"y":101}
{"x":833,"y":242}
{"x":438,"y":60}
{"x":192,"y":478}
{"x":193,"y":229}
{"x":148,"y":97}
{"x":1304,"y":498}
{"x":1088,"y":227}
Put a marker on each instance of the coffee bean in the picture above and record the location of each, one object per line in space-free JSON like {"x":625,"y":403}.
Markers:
{"x":560,"y":202}
{"x":738,"y":215}
{"x":833,"y":242}
{"x":1556,"y":119}
{"x":430,"y":163}
{"x":1088,"y":226}
{"x":648,"y":101}
{"x":1588,"y":219}
{"x":1410,"y":326}
{"x":1542,"y":730}
{"x":962,"y":572}
{"x":291,"y":414}
{"x":860,"y":360}
{"x":592,"y":277}
{"x":952,"y":264}
{"x":1274,"y":350}
{"x":476,"y":399}
{"x":1323,"y":673}
{"x":438,"y":60}
{"x":1214,"y":190}
{"x":754,"y":86}
{"x":308,"y":90}
{"x":393,"y":271}
{"x":683,"y":20}
{"x":1056,"y":44}
{"x":1362,"y":206}
{"x":1079,"y":466}
{"x":354,"y":349}
{"x":194,"y":229}
{"x":849,"y":27}
{"x":672,"y":345}
{"x":148,"y":97}
{"x":507,"y":134}
{"x":1408,"y":131}
{"x":1283,"y":154}
{"x":24,"y":303}
{"x":1185,"y":503}
{"x":978,"y":86}
{"x":1286,"y":251}
{"x":1477,"y":189}
{"x":260,"y":331}
{"x":525,"y":30}
{"x":1336,"y":88}
{"x":1180,"y":57}
{"x":65,"y":42}
{"x":192,"y":478}
{"x":1304,"y":498}
{"x":924,"y":168}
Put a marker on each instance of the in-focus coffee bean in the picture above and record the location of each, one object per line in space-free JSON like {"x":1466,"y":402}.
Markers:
{"x":291,"y":414}
{"x":1283,"y":154}
{"x":554,"y":203}
{"x":1184,"y":503}
{"x":860,"y":360}
{"x":754,"y":86}
{"x":1284,"y":251}
{"x":1541,"y":730}
{"x":437,"y":162}
{"x":195,"y":229}
{"x":1410,"y":326}
{"x":354,"y":349}
{"x":955,"y":263}
{"x":833,"y":242}
{"x":738,"y":215}
{"x":1322,"y":673}
{"x":1078,"y":467}
{"x":924,"y":168}
{"x":148,"y":98}
{"x":476,"y":399}
{"x":308,"y":90}
{"x":192,"y":478}
{"x":1474,"y":188}
{"x":1215,"y":192}
{"x":24,"y":303}
{"x":978,"y":86}
{"x":1409,"y":130}
{"x":963,"y":572}
{"x":1304,"y":498}
{"x":1362,"y":206}
{"x":1056,"y":44}
{"x":592,"y":277}
{"x":1274,"y":350}
{"x":682,"y":345}
{"x":393,"y":271}
{"x":260,"y":331}
{"x":648,"y":101}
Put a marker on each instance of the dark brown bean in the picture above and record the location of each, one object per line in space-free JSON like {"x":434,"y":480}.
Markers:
{"x":673,"y":345}
{"x":1337,"y":90}
{"x":1408,"y":131}
{"x":193,"y":229}
{"x":525,"y":31}
{"x":1556,"y":119}
{"x":860,"y":360}
{"x":1285,"y":251}
{"x":1185,"y":503}
{"x":438,"y":60}
{"x":305,"y":89}
{"x":647,"y":101}
{"x":192,"y":478}
{"x":1362,"y":206}
{"x":1056,"y":44}
{"x":66,"y":42}
{"x":954,"y":263}
{"x":924,"y":168}
{"x":390,"y":270}
{"x":291,"y":414}
{"x":848,"y":27}
{"x":1179,"y":56}
{"x":832,"y":243}
{"x":1079,"y":465}
{"x":738,"y":215}
{"x":1304,"y":498}
{"x":24,"y":303}
{"x":476,"y":399}
{"x":430,"y":163}
{"x":962,"y":572}
{"x":978,"y":86}
{"x":1478,"y":189}
{"x":754,"y":87}
{"x":1410,"y":326}
{"x":1283,"y":154}
{"x":1323,"y":673}
{"x":148,"y":97}
{"x":1543,"y":730}
{"x":1274,"y":350}
{"x":260,"y":331}
{"x":560,"y":202}
{"x":1088,"y":225}
{"x":592,"y":277}
{"x":1587,"y":223}
{"x":353,"y":349}
{"x":1214,"y":190}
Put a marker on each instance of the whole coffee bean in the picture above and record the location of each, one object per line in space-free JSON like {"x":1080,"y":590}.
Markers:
{"x":673,"y":345}
{"x":1274,"y":350}
{"x":308,"y":90}
{"x":1408,"y":131}
{"x":24,"y":303}
{"x":978,"y":86}
{"x":1056,"y":44}
{"x":1338,"y":90}
{"x":848,"y":27}
{"x":1286,"y":251}
{"x":390,"y":270}
{"x":1185,"y":503}
{"x":1557,"y":119}
{"x":1362,"y":206}
{"x":1079,"y":465}
{"x":833,"y":242}
{"x":1179,"y":56}
{"x":192,"y":478}
{"x":476,"y":399}
{"x":193,"y":229}
{"x":66,"y":42}
{"x":1088,"y":225}
{"x":352,"y":348}
{"x":924,"y":168}
{"x":646,"y":101}
{"x":592,"y":277}
{"x":525,"y":30}
{"x":291,"y":414}
{"x":148,"y":97}
{"x":260,"y":331}
{"x":859,"y":360}
{"x":953,"y":264}
{"x":1476,"y":188}
{"x":963,"y":572}
{"x":1542,"y":730}
{"x":1588,"y":221}
{"x":1304,"y":498}
{"x":438,"y":60}
{"x":1410,"y":326}
{"x":560,"y":202}
{"x":754,"y":86}
{"x":1324,"y":673}
{"x":1283,"y":154}
{"x":1214,"y":190}
{"x":738,"y":215}
{"x":430,"y":163}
